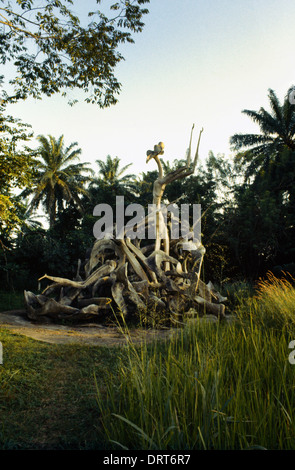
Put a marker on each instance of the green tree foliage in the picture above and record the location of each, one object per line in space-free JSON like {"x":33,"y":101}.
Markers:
{"x":52,"y":51}
{"x":251,"y":229}
{"x":16,"y":169}
{"x":109,"y":182}
{"x":262,"y":219}
{"x":38,"y":251}
{"x":58,"y":179}
{"x":248,"y":204}
{"x":257,"y":152}
{"x":110,"y":174}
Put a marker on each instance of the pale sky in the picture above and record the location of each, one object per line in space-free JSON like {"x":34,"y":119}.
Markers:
{"x":196,"y":61}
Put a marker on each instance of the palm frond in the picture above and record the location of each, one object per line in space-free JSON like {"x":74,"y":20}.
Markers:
{"x":58,"y":179}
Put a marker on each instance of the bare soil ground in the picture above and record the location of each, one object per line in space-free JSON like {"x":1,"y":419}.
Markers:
{"x":88,"y":333}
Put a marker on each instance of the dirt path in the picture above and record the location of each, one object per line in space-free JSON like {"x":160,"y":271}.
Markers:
{"x":91,"y":333}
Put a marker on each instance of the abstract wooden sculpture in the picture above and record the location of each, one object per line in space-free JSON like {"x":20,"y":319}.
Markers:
{"x":121,"y":275}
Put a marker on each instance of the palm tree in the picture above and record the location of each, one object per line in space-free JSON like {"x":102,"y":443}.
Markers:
{"x":111,"y":174}
{"x":111,"y":181}
{"x":58,"y":178}
{"x":277,"y":127}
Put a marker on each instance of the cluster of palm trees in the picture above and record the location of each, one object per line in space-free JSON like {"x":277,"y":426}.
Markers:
{"x":61,"y":179}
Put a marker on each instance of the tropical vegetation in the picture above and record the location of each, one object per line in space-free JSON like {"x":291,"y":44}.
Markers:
{"x":248,"y":202}
{"x":212,"y":385}
{"x":71,"y":55}
{"x":57,"y":178}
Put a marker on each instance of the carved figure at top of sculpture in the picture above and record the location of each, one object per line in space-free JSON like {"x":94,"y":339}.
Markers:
{"x":182,"y":172}
{"x":161,"y":182}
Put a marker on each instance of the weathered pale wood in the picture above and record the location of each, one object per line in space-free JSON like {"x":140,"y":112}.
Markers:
{"x":121,"y":275}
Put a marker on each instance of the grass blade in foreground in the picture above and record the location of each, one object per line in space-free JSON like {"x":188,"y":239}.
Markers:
{"x":212,"y":386}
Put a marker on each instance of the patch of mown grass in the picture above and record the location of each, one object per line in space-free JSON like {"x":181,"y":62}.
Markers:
{"x":47,"y":394}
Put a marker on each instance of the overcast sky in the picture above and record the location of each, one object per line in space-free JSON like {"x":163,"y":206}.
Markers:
{"x":196,"y":61}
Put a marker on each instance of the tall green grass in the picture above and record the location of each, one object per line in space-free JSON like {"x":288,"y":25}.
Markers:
{"x":212,"y":385}
{"x":274,"y":304}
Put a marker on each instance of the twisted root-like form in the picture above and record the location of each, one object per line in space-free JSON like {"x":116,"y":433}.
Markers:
{"x":121,"y":275}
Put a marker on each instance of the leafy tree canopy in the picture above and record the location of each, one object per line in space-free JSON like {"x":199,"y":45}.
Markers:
{"x":16,"y":167}
{"x":53,"y":52}
{"x":260,"y":228}
{"x":277,"y":126}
